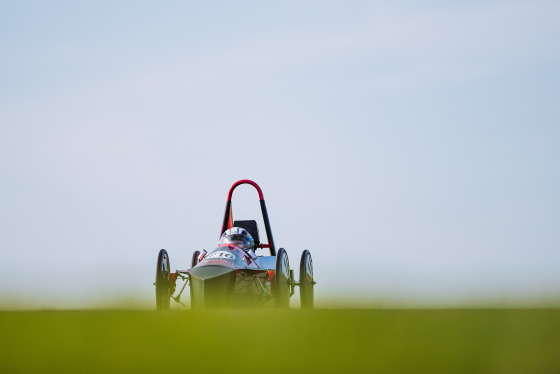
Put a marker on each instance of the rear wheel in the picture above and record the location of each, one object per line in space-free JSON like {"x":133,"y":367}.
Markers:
{"x":194,"y":260}
{"x":163,"y":289}
{"x":282,"y":280}
{"x":306,"y":280}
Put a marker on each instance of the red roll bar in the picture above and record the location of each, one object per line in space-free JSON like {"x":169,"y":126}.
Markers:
{"x":228,"y":219}
{"x":244,"y":181}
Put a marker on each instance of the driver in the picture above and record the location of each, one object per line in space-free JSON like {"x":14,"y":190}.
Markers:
{"x":238,"y":237}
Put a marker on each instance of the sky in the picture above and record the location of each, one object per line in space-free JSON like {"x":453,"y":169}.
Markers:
{"x":412,"y":147}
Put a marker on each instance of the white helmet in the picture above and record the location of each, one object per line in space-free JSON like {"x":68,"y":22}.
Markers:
{"x":239,"y":237}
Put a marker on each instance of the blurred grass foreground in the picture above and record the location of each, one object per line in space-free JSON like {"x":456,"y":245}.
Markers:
{"x":472,"y":341}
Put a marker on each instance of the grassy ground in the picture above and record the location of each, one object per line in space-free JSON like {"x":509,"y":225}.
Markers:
{"x":270,"y":341}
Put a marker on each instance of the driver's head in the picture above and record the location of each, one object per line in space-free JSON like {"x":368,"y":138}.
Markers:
{"x":238,"y":237}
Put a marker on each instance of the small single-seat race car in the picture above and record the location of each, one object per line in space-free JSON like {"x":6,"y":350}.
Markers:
{"x":232,"y":275}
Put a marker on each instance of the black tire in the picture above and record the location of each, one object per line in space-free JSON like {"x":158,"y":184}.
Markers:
{"x":163,"y":289}
{"x":306,"y":280}
{"x":282,"y":280}
{"x":194,"y":260}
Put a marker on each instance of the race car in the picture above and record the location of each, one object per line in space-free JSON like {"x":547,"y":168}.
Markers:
{"x":232,"y":275}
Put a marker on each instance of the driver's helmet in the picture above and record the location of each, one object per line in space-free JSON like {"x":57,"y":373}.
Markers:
{"x":238,"y":237}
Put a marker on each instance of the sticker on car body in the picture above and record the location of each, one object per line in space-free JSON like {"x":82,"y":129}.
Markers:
{"x":221,"y":254}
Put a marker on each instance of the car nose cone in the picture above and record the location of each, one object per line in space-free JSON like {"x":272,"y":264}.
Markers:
{"x":211,"y":286}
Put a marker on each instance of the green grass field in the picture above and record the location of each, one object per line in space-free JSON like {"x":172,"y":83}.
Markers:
{"x":270,"y":341}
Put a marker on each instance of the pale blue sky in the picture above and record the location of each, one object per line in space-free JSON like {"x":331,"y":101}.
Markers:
{"x":412,"y":147}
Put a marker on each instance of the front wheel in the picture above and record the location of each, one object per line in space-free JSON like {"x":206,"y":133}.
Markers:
{"x":306,"y":280}
{"x":282,"y":280}
{"x":194,"y":259}
{"x":163,"y":289}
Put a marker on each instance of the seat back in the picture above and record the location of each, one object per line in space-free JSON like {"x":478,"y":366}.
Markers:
{"x":251,"y":227}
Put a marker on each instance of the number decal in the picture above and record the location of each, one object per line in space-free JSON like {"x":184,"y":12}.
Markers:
{"x":221,"y":254}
